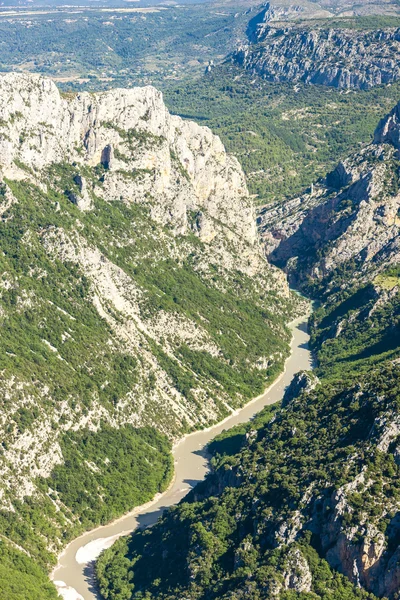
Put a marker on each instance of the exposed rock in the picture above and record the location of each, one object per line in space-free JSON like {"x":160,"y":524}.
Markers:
{"x":82,"y":199}
{"x":297,"y":575}
{"x":354,"y":215}
{"x":388,"y":130}
{"x":303,"y":381}
{"x":342,"y":58}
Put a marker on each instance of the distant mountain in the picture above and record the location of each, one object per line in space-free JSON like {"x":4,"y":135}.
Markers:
{"x":318,"y":53}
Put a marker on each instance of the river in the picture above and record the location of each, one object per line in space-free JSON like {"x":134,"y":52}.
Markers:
{"x":73,"y":574}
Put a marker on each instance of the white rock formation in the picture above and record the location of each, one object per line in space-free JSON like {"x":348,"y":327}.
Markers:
{"x":40,"y":127}
{"x":187,"y":185}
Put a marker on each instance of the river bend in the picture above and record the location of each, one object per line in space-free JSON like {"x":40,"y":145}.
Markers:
{"x":73,"y":574}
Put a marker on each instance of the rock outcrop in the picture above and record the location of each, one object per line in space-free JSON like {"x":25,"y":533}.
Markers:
{"x":353,"y":216}
{"x":342,"y":58}
{"x":296,"y":574}
{"x":180,"y":163}
{"x":304,"y":381}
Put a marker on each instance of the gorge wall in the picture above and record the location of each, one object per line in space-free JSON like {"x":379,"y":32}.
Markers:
{"x":316,"y":53}
{"x":134,"y":294}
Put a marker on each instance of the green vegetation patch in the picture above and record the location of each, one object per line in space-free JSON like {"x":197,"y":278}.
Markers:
{"x":285,"y":136}
{"x":109,"y":472}
{"x":21,"y":577}
{"x":353,"y":331}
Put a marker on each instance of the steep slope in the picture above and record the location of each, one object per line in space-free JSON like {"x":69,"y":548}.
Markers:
{"x":309,"y":507}
{"x":317,"y":486}
{"x":258,"y":26}
{"x":135,"y":302}
{"x":349,"y":221}
{"x":319,"y":54}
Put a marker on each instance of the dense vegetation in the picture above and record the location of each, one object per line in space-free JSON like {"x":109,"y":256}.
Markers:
{"x":103,"y":475}
{"x":127,"y":467}
{"x":226,"y":542}
{"x":369,"y":332}
{"x":284,"y":136}
{"x":21,"y":578}
{"x":120,"y":47}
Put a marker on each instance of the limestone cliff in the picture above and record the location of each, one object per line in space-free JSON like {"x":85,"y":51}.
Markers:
{"x":338,"y":57}
{"x":133,"y":288}
{"x":184,"y":165}
{"x":341,"y":241}
{"x":350,"y":217}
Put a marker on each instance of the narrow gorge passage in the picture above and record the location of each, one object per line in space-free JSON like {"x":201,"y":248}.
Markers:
{"x":74,"y":572}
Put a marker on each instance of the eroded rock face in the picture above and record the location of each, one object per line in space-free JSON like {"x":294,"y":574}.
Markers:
{"x":388,"y":130}
{"x":303,"y":381}
{"x":353,"y":215}
{"x":340,"y":58}
{"x":297,"y":575}
{"x":182,"y":165}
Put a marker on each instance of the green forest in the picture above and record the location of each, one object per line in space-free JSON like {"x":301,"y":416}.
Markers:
{"x":21,"y":577}
{"x":262,"y":479}
{"x":285,"y":137}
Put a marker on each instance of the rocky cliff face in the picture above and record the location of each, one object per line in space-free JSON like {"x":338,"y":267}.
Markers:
{"x":341,"y":58}
{"x":258,"y":26}
{"x":350,"y":218}
{"x":128,"y":247}
{"x":341,"y":240}
{"x":40,"y":128}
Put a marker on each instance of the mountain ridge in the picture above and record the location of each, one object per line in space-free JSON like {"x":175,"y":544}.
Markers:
{"x":318,"y":54}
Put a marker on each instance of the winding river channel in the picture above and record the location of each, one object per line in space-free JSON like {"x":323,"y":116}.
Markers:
{"x":73,"y":575}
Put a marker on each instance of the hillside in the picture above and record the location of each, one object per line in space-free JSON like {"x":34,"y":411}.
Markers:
{"x":284,"y":136}
{"x":340,"y":54}
{"x":349,"y":221}
{"x":136,"y":304}
{"x":308,"y":507}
